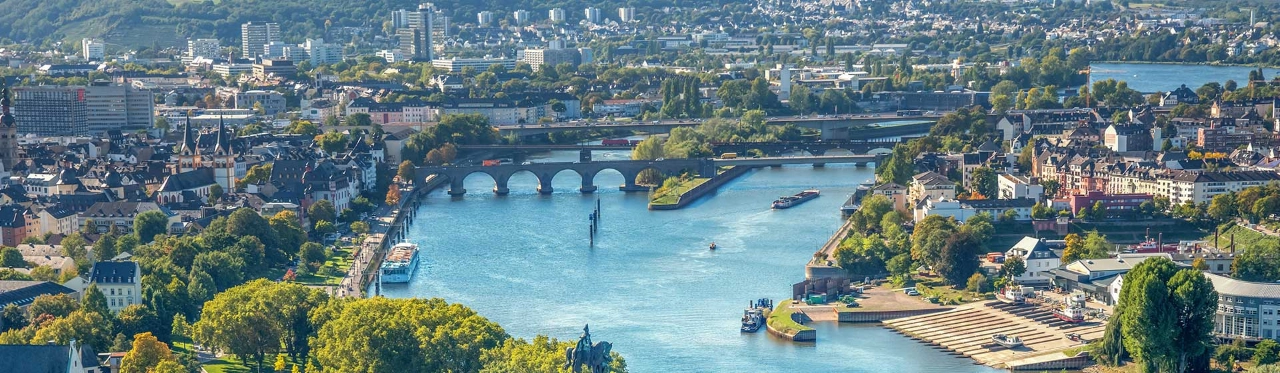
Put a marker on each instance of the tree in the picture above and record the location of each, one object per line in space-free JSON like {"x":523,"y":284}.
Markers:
{"x":170,"y":367}
{"x":321,"y":210}
{"x":1223,"y":207}
{"x":1013,"y":267}
{"x":94,"y":301}
{"x":245,"y":222}
{"x":1093,"y":246}
{"x":74,"y":246}
{"x":304,"y":128}
{"x":215,"y":192}
{"x":332,"y":142}
{"x":984,"y":182}
{"x":56,"y":306}
{"x":399,"y":335}
{"x":146,"y":354}
{"x":12,"y":258}
{"x":1259,"y":263}
{"x":257,"y":319}
{"x":86,"y":327}
{"x":1266,"y":351}
{"x":359,"y":120}
{"x":393,"y":195}
{"x":406,"y":172}
{"x":162,"y":123}
{"x":279,"y":366}
{"x":977,"y":283}
{"x":1166,"y":318}
{"x":149,"y":224}
{"x":257,"y":174}
{"x":288,"y":233}
{"x":541,"y":355}
{"x":959,"y":258}
{"x":139,"y":318}
{"x":359,"y":227}
{"x":12,"y":318}
{"x":312,"y":255}
{"x":929,"y":238}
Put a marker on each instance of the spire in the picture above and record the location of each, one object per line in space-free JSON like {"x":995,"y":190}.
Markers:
{"x":188,"y":143}
{"x":219,"y":148}
{"x":6,"y":118}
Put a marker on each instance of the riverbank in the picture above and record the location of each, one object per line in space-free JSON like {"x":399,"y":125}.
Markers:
{"x":1175,"y":63}
{"x":696,"y":188}
{"x":389,"y":224}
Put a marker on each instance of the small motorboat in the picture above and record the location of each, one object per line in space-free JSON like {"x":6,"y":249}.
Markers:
{"x":712,"y":247}
{"x":1007,"y":341}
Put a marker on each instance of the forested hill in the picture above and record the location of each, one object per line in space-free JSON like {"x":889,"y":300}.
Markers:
{"x":163,"y":23}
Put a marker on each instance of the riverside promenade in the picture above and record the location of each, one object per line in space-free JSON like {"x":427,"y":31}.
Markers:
{"x":387,"y":225}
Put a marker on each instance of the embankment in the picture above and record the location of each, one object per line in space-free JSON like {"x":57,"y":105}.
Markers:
{"x":703,"y":189}
{"x":785,"y":322}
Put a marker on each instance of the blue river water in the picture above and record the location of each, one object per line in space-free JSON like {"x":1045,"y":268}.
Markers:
{"x":650,"y":286}
{"x":1149,"y":78}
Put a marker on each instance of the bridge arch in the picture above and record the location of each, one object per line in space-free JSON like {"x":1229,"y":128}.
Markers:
{"x":880,"y":151}
{"x":457,"y":181}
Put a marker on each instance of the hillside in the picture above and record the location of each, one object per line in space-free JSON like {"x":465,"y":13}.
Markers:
{"x":161,"y":23}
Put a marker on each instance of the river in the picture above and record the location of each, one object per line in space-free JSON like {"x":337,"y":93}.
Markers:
{"x":650,"y":286}
{"x":1149,"y":78}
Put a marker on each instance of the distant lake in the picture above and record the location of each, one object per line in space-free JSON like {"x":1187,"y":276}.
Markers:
{"x":1147,"y":78}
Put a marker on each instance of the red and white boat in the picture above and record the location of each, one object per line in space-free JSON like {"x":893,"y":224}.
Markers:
{"x":1013,"y":294}
{"x":1072,"y":309}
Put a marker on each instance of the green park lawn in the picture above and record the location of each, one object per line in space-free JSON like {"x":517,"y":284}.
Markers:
{"x":780,"y":319}
{"x":337,"y":266}
{"x":672,"y":196}
{"x":230,"y":364}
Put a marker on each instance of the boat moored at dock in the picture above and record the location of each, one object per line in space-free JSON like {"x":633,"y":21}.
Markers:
{"x":1013,"y":294}
{"x":400,"y":263}
{"x":753,"y":316}
{"x":1008,"y":341}
{"x":790,"y":201}
{"x":1072,"y":309}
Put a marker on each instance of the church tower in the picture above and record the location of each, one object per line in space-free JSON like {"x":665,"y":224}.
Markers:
{"x":188,"y":155}
{"x":8,"y":134}
{"x":224,"y":159}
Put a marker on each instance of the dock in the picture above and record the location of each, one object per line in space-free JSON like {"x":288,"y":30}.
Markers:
{"x":967,"y":330}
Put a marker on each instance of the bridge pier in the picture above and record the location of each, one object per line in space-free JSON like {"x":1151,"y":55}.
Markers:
{"x":457,"y":192}
{"x":860,"y":164}
{"x":819,"y":165}
{"x":500,"y":187}
{"x":588,"y":186}
{"x":456,"y":188}
{"x":544,"y":187}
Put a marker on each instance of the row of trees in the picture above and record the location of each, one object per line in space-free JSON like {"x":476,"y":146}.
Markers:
{"x":261,"y":319}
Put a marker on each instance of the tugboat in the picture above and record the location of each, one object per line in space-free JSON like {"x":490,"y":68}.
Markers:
{"x":753,"y":316}
{"x":1007,"y":341}
{"x":1072,"y":310}
{"x":789,"y":201}
{"x":712,"y":247}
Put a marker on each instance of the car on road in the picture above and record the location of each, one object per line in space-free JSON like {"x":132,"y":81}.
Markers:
{"x":911,"y":292}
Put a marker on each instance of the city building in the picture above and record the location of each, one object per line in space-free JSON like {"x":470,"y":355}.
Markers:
{"x":556,"y":15}
{"x":1221,"y":139}
{"x":962,"y":210}
{"x":272,"y":102}
{"x":118,"y":107}
{"x":932,"y":185}
{"x":592,"y":15}
{"x":391,"y":55}
{"x":415,"y":44}
{"x":484,"y":18}
{"x":255,"y":36}
{"x":8,"y":133}
{"x":50,"y":110}
{"x":322,"y":53}
{"x":22,"y":293}
{"x":1100,"y":279}
{"x":120,"y":282}
{"x":206,"y":48}
{"x":118,"y":214}
{"x":627,"y":14}
{"x":274,"y":68}
{"x":1016,"y":186}
{"x":1132,"y":137}
{"x":455,"y":64}
{"x":537,"y":58}
{"x":1246,"y":310}
{"x":93,"y":49}
{"x":1116,"y":205}
{"x":1201,"y":187}
{"x":1038,"y":257}
{"x":229,"y":70}
{"x":522,"y":17}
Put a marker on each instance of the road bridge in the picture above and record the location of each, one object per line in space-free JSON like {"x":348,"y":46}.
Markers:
{"x":832,"y":127}
{"x":815,"y":148}
{"x":545,"y":172}
{"x":541,"y":147}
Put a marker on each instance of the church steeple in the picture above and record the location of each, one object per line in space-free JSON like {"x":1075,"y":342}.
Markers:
{"x":188,"y":143}
{"x":219,"y":148}
{"x":6,"y":118}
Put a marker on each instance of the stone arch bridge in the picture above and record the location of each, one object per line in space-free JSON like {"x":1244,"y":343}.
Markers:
{"x":545,"y":172}
{"x":816,"y":148}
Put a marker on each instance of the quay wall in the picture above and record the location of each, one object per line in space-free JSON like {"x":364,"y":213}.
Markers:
{"x":1066,"y":363}
{"x":703,"y":189}
{"x":878,"y":316}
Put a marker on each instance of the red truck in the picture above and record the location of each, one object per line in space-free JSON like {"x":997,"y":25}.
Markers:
{"x":490,"y":162}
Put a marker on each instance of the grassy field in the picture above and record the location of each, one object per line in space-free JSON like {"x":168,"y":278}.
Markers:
{"x":230,"y":364}
{"x":672,"y":196}
{"x":337,"y":266}
{"x":780,"y":320}
{"x":1245,"y":238}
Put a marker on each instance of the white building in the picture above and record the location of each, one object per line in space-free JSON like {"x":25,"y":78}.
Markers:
{"x":556,"y":15}
{"x":963,"y":210}
{"x":1038,"y":257}
{"x":522,"y":17}
{"x":480,"y":64}
{"x":484,"y":18}
{"x":627,"y":14}
{"x":392,"y":56}
{"x":592,"y":15}
{"x":93,"y":50}
{"x":120,"y":282}
{"x":1015,"y":186}
{"x":255,"y":36}
{"x":207,"y":48}
{"x":322,"y":53}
